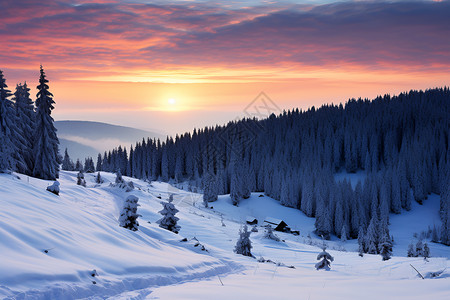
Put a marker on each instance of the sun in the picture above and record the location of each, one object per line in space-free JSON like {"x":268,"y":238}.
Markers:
{"x":172,"y":101}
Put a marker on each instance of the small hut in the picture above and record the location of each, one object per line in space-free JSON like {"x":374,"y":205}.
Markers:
{"x":251,"y":220}
{"x":278,"y":225}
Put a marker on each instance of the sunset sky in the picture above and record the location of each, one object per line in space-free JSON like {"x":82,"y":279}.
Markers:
{"x":173,"y":65}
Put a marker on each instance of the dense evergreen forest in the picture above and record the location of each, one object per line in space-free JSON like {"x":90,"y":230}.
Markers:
{"x":401,"y":143}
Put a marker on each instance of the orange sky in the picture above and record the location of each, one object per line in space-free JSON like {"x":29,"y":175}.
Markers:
{"x":121,"y":61}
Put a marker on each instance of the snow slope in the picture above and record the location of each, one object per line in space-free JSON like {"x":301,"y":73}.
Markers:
{"x":80,"y":230}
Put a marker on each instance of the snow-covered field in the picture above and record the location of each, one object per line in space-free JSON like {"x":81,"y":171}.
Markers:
{"x":50,"y":246}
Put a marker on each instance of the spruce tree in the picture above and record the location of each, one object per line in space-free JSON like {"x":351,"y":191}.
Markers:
{"x":325,"y":260}
{"x":25,"y":124}
{"x":128,"y":216}
{"x":411,"y":252}
{"x":426,"y":251}
{"x":169,"y":221}
{"x":385,"y":247}
{"x":80,"y":179}
{"x":67,"y":163}
{"x":361,"y":245}
{"x":7,"y":124}
{"x":210,"y":189}
{"x":243,"y":244}
{"x":46,"y":159}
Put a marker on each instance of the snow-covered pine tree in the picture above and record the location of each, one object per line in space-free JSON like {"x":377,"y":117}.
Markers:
{"x":269,"y":234}
{"x":243,"y":244}
{"x":46,"y":159}
{"x":344,"y":233}
{"x":98,"y":178}
{"x":119,"y":179}
{"x":169,"y":221}
{"x":371,"y":241}
{"x":78,"y":166}
{"x":7,"y":124}
{"x":210,"y":188}
{"x":434,"y":235}
{"x":361,"y":242}
{"x":26,"y":123}
{"x":128,"y":216}
{"x":80,"y":179}
{"x":67,"y":163}
{"x":98,"y":167}
{"x":385,"y":247}
{"x":89,"y":165}
{"x":419,"y":248}
{"x":426,"y":251}
{"x":325,"y":260}
{"x":411,"y":250}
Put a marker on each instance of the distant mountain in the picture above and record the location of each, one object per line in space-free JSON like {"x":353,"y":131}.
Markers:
{"x":87,"y":138}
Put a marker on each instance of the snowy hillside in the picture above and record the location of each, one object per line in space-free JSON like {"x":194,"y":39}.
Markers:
{"x":50,"y":246}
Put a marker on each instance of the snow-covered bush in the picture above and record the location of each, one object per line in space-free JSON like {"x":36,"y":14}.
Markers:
{"x":80,"y":179}
{"x":325,"y":260}
{"x":119,"y":178}
{"x":54,"y":188}
{"x":270,"y":235}
{"x":128,"y":216}
{"x":169,"y":221}
{"x":243,"y":244}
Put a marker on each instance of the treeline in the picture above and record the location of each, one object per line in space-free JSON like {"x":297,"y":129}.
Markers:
{"x":28,"y":140}
{"x":401,"y":142}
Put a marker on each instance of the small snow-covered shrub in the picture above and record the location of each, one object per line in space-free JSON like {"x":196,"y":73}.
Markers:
{"x":325,"y":260}
{"x":54,"y":188}
{"x":169,"y":221}
{"x":128,"y":216}
{"x":243,"y":244}
{"x":270,"y":235}
{"x":80,"y":179}
{"x":119,"y":178}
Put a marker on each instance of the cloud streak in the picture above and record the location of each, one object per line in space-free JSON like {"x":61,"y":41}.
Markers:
{"x":115,"y":40}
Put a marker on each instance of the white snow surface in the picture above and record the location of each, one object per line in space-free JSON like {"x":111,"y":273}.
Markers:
{"x":80,"y":232}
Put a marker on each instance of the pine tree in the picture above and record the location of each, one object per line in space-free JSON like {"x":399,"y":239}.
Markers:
{"x":7,"y":124}
{"x":385,"y":247}
{"x":361,"y":245}
{"x":46,"y":160}
{"x":119,"y":179}
{"x":169,"y":221}
{"x":344,"y":233}
{"x":98,"y":178}
{"x":80,"y":179}
{"x":25,"y":124}
{"x":419,"y":248}
{"x":78,"y":166}
{"x":210,"y":189}
{"x":67,"y":163}
{"x":243,"y":244}
{"x":128,"y":216}
{"x":371,"y":241}
{"x":426,"y":251}
{"x":434,"y":235}
{"x":411,"y":251}
{"x":325,"y":260}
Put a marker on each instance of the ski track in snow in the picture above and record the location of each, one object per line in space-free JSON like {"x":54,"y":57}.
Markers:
{"x":80,"y":230}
